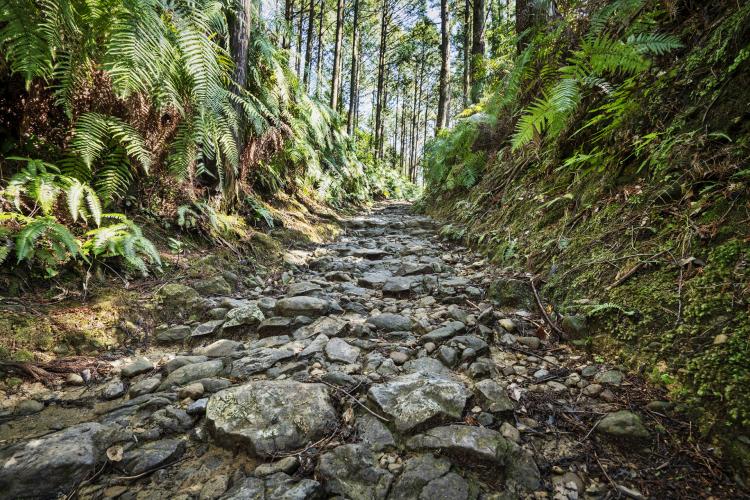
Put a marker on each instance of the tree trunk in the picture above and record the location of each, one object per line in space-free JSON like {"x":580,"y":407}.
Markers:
{"x":354,"y":77}
{"x":319,"y":59}
{"x":336,"y":79}
{"x":445,"y":64}
{"x":239,"y":42}
{"x":381,"y":134}
{"x":524,"y":20}
{"x":381,"y":73}
{"x":396,"y":117}
{"x":477,"y":51}
{"x":467,"y":57}
{"x":286,"y":38}
{"x":308,"y":45}
{"x":298,"y":55}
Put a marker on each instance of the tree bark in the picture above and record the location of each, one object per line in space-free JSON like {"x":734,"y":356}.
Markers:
{"x":298,"y":55}
{"x":466,"y":49}
{"x":336,"y":79}
{"x":286,"y":38}
{"x":381,"y":74}
{"x":308,"y":45}
{"x":445,"y":64}
{"x":319,"y":58}
{"x":524,"y":20}
{"x":239,"y":42}
{"x":354,"y":77}
{"x":477,"y":51}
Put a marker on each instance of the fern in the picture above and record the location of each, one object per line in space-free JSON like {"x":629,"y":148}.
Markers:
{"x":61,"y":239}
{"x":123,"y":239}
{"x":600,"y":56}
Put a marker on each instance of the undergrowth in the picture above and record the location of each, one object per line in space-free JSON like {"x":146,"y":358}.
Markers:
{"x":615,"y":168}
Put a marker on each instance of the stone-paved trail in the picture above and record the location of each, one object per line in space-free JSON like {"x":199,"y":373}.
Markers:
{"x":379,"y":369}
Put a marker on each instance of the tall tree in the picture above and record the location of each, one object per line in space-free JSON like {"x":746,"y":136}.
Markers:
{"x":319,"y":58}
{"x":309,"y":44}
{"x":354,"y":77}
{"x":477,"y":50}
{"x":239,"y":42}
{"x":467,"y":58}
{"x":445,"y":65}
{"x":381,"y":74}
{"x":337,"y":56}
{"x":524,"y":15}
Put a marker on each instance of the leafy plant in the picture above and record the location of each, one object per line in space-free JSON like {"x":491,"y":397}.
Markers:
{"x":50,"y":238}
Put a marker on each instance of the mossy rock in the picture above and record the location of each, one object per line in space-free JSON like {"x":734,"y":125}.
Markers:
{"x":512,"y":292}
{"x":216,"y":285}
{"x":175,"y":298}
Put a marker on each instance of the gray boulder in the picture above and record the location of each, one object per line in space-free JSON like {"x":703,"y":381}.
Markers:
{"x":50,"y":465}
{"x":492,"y":397}
{"x":623,"y":424}
{"x":350,"y":471}
{"x":213,"y":286}
{"x":258,"y":360}
{"x":418,"y":472}
{"x":173,"y":333}
{"x":140,"y":365}
{"x":479,"y":444}
{"x":420,"y":399}
{"x":270,"y":417}
{"x":444,"y":332}
{"x":340,"y":350}
{"x":191,"y":372}
{"x":312,"y":307}
{"x":390,"y":322}
{"x":240,"y":319}
{"x":152,"y":455}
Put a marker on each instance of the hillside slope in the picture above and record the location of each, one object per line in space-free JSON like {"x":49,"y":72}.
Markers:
{"x":617,"y":174}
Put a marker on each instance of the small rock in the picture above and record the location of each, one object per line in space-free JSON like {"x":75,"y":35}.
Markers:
{"x":197,"y":407}
{"x":592,"y":390}
{"x":508,"y":324}
{"x":145,"y":386}
{"x":28,"y":406}
{"x":193,"y":391}
{"x":74,"y":379}
{"x":350,"y":471}
{"x":399,"y":357}
{"x":207,"y":328}
{"x":493,"y":397}
{"x":611,"y":377}
{"x":530,"y":342}
{"x":419,"y":399}
{"x":388,"y":322}
{"x":213,"y":286}
{"x":140,"y":365}
{"x":219,"y":349}
{"x":510,"y":432}
{"x":302,"y":305}
{"x":113,"y":389}
{"x":339,"y":350}
{"x":287,"y":465}
{"x":152,"y":455}
{"x":623,"y":424}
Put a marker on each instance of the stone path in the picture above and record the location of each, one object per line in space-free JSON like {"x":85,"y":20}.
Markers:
{"x":381,"y":368}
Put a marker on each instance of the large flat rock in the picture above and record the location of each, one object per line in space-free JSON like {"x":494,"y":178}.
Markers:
{"x":47,"y":466}
{"x":479,"y":444}
{"x":270,"y":417}
{"x":302,"y":305}
{"x":351,"y":471}
{"x":420,"y":399}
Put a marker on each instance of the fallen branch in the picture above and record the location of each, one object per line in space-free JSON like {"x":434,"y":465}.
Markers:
{"x":30,"y":369}
{"x":355,"y":400}
{"x":546,"y":317}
